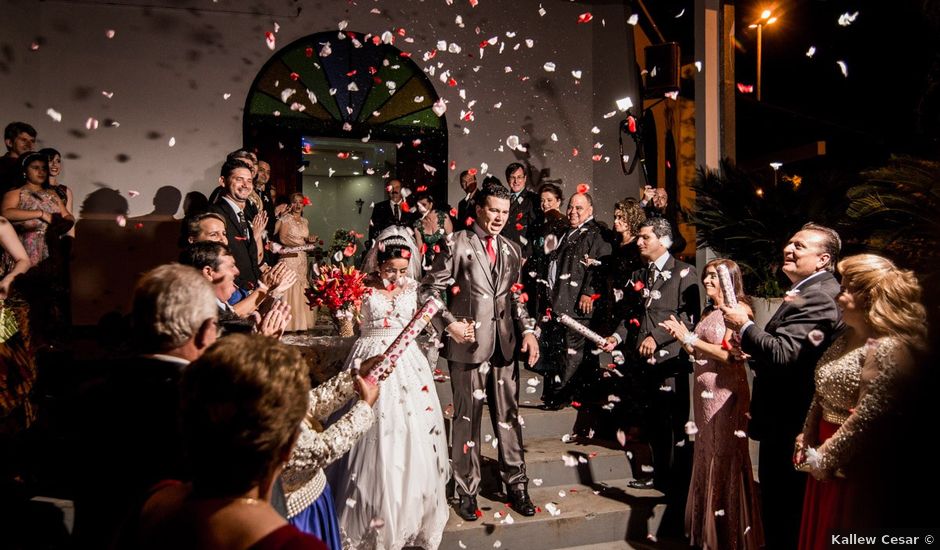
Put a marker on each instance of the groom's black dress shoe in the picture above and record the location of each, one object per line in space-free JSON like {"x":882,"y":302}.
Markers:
{"x":520,"y":501}
{"x":467,"y":507}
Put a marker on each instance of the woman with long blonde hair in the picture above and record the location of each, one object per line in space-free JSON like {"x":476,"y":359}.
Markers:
{"x":859,"y":380}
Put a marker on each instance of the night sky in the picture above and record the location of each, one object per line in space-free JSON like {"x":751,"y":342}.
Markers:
{"x":882,"y":106}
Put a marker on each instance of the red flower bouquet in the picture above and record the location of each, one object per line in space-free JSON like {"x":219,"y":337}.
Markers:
{"x":341,"y":290}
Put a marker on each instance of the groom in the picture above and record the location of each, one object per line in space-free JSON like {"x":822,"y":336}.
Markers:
{"x":484,"y":322}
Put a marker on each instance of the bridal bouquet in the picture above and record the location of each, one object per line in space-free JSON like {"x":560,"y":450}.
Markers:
{"x":341,"y":289}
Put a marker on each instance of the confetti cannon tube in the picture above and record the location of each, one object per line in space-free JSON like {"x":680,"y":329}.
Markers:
{"x":421,"y":319}
{"x":590,"y":335}
{"x":724,"y":277}
{"x":281,"y":250}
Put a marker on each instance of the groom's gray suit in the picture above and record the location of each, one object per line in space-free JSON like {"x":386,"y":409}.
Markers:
{"x":484,"y":297}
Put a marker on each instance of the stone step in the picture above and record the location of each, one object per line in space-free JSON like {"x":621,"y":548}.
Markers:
{"x":550,"y":462}
{"x":612,"y":515}
{"x":536,"y":422}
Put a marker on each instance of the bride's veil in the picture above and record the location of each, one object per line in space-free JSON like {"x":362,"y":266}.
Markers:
{"x":399,"y":235}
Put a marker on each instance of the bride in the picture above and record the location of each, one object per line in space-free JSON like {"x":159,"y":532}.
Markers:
{"x":390,"y":488}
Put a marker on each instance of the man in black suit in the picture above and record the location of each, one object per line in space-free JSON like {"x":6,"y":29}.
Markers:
{"x":783,"y":357}
{"x":264,"y":195}
{"x":523,"y":207}
{"x":466,"y":208}
{"x":393,"y":211}
{"x":243,"y":238}
{"x":128,"y":420}
{"x":668,"y":287}
{"x":571,"y":272}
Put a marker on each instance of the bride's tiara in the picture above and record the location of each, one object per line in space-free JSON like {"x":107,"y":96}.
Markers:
{"x":396,"y":240}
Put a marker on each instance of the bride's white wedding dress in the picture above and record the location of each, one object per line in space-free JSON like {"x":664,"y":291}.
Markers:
{"x":390,"y":488}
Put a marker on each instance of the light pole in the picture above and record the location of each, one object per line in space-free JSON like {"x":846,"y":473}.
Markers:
{"x":766,"y":18}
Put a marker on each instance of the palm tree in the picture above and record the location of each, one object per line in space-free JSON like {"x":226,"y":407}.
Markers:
{"x":897,"y":209}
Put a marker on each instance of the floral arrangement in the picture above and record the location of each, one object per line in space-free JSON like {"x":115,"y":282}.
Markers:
{"x":340,"y":288}
{"x":346,"y":244}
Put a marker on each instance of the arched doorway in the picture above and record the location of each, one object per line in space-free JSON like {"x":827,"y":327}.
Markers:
{"x":335,"y":112}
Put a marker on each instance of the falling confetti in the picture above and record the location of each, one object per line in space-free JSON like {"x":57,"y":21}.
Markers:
{"x":54,"y":115}
{"x":585,"y":17}
{"x":110,"y":32}
{"x":847,"y":19}
{"x":844,"y":68}
{"x":549,"y":67}
{"x":816,"y":337}
{"x":269,"y":40}
{"x":633,"y":19}
{"x":811,"y":51}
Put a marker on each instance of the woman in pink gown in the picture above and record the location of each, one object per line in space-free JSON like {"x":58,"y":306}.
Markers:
{"x":293,"y":230}
{"x":722,"y":509}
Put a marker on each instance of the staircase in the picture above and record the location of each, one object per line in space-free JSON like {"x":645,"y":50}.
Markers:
{"x":578,"y":484}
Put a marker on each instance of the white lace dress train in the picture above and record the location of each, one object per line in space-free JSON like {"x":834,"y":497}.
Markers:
{"x":390,"y":487}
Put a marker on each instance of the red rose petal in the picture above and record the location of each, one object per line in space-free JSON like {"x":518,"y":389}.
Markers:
{"x":585,"y":17}
{"x":294,"y":76}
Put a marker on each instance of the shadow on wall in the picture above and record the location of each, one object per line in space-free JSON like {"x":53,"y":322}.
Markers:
{"x":110,"y":255}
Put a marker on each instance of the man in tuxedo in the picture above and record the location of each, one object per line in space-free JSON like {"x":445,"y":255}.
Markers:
{"x":479,"y":270}
{"x":571,"y":271}
{"x":523,"y":207}
{"x":466,"y":208}
{"x":393,"y":211}
{"x":232,"y":205}
{"x":783,"y":357}
{"x":128,"y":420}
{"x":668,"y":287}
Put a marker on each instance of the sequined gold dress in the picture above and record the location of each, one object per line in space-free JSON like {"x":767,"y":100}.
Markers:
{"x":294,"y":232}
{"x":840,"y":417}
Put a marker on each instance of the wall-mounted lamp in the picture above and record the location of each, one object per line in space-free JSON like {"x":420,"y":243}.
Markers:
{"x":359,"y":204}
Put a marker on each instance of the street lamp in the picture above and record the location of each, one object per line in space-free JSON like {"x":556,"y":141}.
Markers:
{"x":766,"y":18}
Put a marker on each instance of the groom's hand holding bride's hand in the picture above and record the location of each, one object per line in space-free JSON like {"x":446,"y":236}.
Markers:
{"x":462,"y":332}
{"x":531,"y":345}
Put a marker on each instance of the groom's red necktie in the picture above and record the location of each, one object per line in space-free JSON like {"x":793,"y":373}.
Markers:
{"x":490,"y":251}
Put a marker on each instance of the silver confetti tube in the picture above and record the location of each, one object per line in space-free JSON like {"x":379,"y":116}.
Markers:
{"x":421,"y":319}
{"x":590,"y":335}
{"x":724,"y":277}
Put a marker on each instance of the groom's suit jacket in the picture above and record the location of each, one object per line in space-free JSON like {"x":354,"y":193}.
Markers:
{"x":478,"y":293}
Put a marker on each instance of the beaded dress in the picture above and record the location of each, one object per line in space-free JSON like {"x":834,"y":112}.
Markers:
{"x":840,"y":417}
{"x":309,"y":500}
